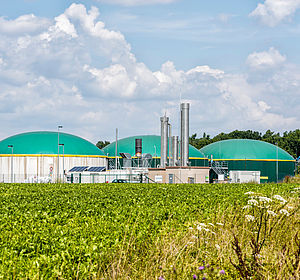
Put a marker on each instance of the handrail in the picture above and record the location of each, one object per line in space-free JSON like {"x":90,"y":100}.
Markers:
{"x":149,"y":178}
{"x":178,"y":179}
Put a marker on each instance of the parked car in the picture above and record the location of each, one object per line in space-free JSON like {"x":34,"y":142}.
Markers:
{"x":119,"y":181}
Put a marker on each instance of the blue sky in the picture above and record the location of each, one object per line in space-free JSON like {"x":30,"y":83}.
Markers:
{"x":237,"y":62}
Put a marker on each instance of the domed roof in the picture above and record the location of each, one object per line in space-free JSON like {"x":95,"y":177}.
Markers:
{"x":150,"y":145}
{"x":245,"y":149}
{"x":46,"y":143}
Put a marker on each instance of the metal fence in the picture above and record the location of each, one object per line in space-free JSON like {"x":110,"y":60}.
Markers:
{"x":107,"y":178}
{"x":75,"y":178}
{"x":32,"y":178}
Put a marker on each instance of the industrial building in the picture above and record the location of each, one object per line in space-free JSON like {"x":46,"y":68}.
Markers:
{"x":166,"y":159}
{"x":45,"y":156}
{"x":60,"y":157}
{"x":151,"y":152}
{"x":250,"y":155}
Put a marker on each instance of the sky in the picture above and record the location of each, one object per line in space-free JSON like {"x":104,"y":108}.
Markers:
{"x":96,"y":65}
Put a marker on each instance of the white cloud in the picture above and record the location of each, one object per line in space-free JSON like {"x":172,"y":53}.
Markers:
{"x":264,"y":106}
{"x":63,"y":24}
{"x":206,"y":70}
{"x":23,"y":24}
{"x":224,"y":18}
{"x":136,"y":2}
{"x":265,"y":60}
{"x":78,"y":73}
{"x":114,"y":80}
{"x":273,"y":12}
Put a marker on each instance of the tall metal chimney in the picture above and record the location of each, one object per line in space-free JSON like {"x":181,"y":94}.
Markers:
{"x":170,"y":144}
{"x":138,"y":148}
{"x":174,"y":150}
{"x":184,"y":146}
{"x":164,"y":121}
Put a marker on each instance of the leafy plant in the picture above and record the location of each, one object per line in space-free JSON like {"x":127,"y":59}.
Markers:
{"x":138,"y":231}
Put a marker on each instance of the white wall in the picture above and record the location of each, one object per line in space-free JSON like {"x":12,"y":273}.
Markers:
{"x":244,"y":176}
{"x":30,"y":168}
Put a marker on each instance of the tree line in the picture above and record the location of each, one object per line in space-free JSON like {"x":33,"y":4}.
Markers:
{"x":289,"y":140}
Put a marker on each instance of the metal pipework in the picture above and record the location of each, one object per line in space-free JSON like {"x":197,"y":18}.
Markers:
{"x":170,"y":145}
{"x":164,"y":121}
{"x":174,"y":150}
{"x":138,"y":148}
{"x":184,"y":147}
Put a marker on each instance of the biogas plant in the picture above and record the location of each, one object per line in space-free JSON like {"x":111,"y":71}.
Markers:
{"x":44,"y":156}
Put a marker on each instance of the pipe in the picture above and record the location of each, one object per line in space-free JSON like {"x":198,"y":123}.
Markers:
{"x":184,"y":149}
{"x":170,"y":146}
{"x":164,"y":141}
{"x":175,"y":142}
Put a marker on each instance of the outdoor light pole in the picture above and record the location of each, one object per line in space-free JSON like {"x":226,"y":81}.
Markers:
{"x":63,"y":145}
{"x":296,"y":166}
{"x":277,"y":162}
{"x":116,"y":151}
{"x":12,"y":162}
{"x":58,"y":128}
{"x":155,"y":155}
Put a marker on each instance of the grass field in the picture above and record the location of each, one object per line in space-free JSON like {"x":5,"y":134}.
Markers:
{"x":135,"y":231}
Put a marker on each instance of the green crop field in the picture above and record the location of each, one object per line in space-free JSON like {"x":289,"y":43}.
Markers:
{"x":149,"y":231}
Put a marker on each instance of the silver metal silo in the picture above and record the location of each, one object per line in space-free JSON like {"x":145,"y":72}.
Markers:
{"x":174,"y":150}
{"x":164,"y":121}
{"x":184,"y":147}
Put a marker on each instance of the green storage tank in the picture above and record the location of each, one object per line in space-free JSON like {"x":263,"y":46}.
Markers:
{"x":31,"y":156}
{"x":45,"y":143}
{"x":253,"y":155}
{"x":150,"y":145}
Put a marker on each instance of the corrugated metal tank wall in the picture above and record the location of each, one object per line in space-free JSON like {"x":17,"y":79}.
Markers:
{"x":25,"y":167}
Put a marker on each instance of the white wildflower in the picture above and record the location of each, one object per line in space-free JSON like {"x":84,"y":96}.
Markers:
{"x":218,"y":246}
{"x":202,"y":228}
{"x":250,"y":193}
{"x":280,"y":198}
{"x":199,"y":228}
{"x":284,"y":212}
{"x":247,"y":207}
{"x":219,"y":224}
{"x":191,"y":228}
{"x":202,"y":224}
{"x":271,"y":213}
{"x":211,"y":224}
{"x":249,"y":218}
{"x":264,"y":199}
{"x":290,"y":207}
{"x":252,"y":202}
{"x":297,"y":189}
